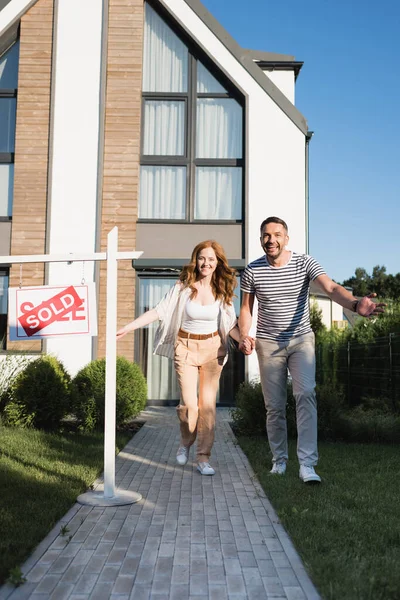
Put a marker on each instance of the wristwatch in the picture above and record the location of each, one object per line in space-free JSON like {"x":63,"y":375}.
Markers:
{"x":354,"y":305}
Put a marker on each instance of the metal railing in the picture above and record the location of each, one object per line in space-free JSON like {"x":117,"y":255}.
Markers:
{"x":363,"y":370}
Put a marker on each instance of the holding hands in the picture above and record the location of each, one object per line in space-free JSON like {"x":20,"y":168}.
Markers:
{"x":247,"y":344}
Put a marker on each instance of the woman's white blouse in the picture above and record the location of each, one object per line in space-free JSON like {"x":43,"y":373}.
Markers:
{"x":200,"y":319}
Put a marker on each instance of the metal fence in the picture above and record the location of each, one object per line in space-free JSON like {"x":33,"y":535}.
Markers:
{"x":363,"y":370}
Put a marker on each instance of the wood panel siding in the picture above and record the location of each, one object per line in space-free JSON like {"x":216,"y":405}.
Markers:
{"x":29,"y":214}
{"x":122,"y":155}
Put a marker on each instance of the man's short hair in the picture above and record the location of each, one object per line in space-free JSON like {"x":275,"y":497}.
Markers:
{"x":274,"y":220}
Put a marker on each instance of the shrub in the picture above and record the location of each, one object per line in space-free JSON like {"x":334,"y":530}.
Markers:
{"x":88,"y":393}
{"x":39,"y":395}
{"x":249,"y":415}
{"x":10,"y":367}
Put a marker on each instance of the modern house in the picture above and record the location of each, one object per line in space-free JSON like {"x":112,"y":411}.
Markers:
{"x":148,"y":116}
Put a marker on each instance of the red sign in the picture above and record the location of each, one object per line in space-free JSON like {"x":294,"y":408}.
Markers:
{"x":36,"y":318}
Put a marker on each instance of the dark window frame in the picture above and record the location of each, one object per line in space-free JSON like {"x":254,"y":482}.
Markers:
{"x":190,"y":97}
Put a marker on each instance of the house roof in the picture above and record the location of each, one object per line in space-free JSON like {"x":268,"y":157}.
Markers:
{"x":12,"y":10}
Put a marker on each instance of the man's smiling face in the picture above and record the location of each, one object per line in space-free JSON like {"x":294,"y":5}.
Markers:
{"x":273,"y":240}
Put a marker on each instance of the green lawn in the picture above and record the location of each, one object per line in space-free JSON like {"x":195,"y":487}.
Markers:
{"x":346,"y":530}
{"x":41,"y":475}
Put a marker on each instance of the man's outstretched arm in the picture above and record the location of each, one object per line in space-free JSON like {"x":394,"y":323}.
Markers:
{"x":365,"y":306}
{"x":246,"y":343}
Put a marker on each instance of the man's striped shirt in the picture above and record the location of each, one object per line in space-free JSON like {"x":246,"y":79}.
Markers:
{"x":282,"y":294}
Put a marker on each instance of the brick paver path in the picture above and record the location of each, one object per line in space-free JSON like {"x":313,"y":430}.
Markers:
{"x":191,"y":537}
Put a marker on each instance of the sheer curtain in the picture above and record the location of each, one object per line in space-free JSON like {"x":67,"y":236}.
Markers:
{"x":6,"y":189}
{"x":164,"y":128}
{"x":3,"y":294}
{"x":159,"y":370}
{"x":162,"y":192}
{"x":219,"y":128}
{"x":206,"y":83}
{"x":218,"y":193}
{"x":7,"y":124}
{"x":165,"y":61}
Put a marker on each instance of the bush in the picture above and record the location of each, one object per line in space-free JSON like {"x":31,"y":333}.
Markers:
{"x":88,"y":393}
{"x":10,"y":367}
{"x":39,"y":396}
{"x":249,"y":415}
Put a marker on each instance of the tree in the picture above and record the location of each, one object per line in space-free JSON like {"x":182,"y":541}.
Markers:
{"x":316,"y":322}
{"x":384,"y":285}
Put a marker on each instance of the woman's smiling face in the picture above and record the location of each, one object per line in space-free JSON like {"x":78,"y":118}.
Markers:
{"x":206,"y":262}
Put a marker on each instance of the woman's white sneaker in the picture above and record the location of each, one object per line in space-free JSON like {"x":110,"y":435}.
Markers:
{"x":278,"y":468}
{"x":182,"y":455}
{"x":308,"y":475}
{"x":205,"y":468}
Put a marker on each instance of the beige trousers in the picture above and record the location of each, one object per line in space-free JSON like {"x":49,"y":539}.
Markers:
{"x":198,"y":365}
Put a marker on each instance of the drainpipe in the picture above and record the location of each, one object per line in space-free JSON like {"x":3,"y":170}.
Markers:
{"x":309,"y":135}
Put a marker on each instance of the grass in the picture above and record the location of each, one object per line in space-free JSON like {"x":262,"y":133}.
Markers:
{"x":346,"y":530}
{"x":41,"y":475}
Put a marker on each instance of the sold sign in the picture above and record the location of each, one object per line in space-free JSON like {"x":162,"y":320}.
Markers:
{"x":50,"y":311}
{"x":36,"y":318}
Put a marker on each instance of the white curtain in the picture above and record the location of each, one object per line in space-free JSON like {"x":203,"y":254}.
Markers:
{"x":6,"y":190}
{"x":206,"y":83}
{"x":3,"y":294}
{"x":9,"y":68}
{"x":162,"y":192}
{"x":7,"y":124}
{"x":160,"y":372}
{"x":165,"y":61}
{"x":219,"y":128}
{"x":164,"y":128}
{"x":218,"y":193}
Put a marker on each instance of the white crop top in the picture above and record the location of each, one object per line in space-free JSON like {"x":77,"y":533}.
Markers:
{"x":200,"y":319}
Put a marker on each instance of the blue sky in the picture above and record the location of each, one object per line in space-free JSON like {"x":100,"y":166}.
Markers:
{"x":348,"y":90}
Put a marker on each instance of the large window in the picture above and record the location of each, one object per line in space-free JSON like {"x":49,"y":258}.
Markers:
{"x":3,"y":307}
{"x":8,"y":103}
{"x":192,"y":134}
{"x":159,"y":371}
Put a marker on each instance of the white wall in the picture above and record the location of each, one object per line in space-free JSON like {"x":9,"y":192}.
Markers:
{"x":285,"y":81}
{"x":331,"y":311}
{"x":275,"y":149}
{"x":74,"y":152}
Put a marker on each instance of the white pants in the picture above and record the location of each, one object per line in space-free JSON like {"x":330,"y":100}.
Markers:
{"x":275,"y":358}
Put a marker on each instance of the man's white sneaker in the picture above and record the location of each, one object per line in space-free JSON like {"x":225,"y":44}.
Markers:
{"x":205,"y":468}
{"x":182,"y":455}
{"x":308,"y":475}
{"x":278,"y":468}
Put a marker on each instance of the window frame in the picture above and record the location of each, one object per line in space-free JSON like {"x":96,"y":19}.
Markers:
{"x":190,"y":97}
{"x":8,"y":158}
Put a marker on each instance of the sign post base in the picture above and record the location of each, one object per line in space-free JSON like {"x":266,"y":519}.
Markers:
{"x":121,"y":498}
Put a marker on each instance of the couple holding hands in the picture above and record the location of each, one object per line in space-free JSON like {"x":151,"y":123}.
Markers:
{"x":197,"y":318}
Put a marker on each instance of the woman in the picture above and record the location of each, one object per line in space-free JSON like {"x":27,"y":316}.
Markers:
{"x":196,"y":318}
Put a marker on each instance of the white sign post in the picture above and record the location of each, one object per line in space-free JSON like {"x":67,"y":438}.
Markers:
{"x":109,"y":496}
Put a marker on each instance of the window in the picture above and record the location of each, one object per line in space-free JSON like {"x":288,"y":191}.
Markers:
{"x":158,"y":370}
{"x":192,"y":134}
{"x":8,"y":105}
{"x":3,"y":308}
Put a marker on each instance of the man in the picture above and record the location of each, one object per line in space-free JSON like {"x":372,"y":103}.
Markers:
{"x":280,"y":280}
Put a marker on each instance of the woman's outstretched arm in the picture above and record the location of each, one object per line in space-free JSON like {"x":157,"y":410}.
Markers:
{"x":145,"y":319}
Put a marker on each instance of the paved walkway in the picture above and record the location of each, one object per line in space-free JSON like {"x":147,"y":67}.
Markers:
{"x":191,"y":537}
